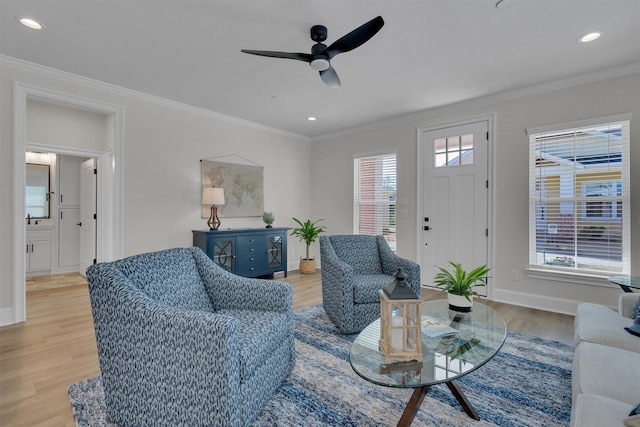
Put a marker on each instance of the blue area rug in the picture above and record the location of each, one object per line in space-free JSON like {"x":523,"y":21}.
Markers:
{"x":527,"y":384}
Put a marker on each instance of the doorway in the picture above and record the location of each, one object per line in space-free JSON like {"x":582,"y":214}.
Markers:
{"x":454,"y":195}
{"x":109,"y":231}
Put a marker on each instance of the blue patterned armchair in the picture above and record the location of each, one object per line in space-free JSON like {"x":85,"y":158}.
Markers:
{"x":354,"y":268}
{"x":183,"y":342}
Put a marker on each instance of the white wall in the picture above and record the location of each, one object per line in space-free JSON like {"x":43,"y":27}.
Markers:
{"x":332,"y":180}
{"x":163,"y":147}
{"x":62,"y":126}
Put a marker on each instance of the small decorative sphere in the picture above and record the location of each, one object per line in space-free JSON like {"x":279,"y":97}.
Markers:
{"x":268,"y":218}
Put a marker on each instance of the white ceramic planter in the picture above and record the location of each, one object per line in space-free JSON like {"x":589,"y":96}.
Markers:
{"x":459,"y":303}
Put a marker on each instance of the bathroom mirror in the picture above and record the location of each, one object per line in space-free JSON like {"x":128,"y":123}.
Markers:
{"x":37,"y":191}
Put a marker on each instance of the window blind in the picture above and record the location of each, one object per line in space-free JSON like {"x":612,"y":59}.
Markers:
{"x":579,"y":193}
{"x":374,"y":196}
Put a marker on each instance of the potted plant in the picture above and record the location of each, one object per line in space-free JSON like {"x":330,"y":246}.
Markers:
{"x":307,"y":232}
{"x":460,"y":285}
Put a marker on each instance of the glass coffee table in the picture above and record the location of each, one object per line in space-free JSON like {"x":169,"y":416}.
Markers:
{"x":626,"y":282}
{"x":480,"y":335}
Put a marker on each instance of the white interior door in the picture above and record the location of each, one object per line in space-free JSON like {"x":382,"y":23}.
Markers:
{"x":455,"y":198}
{"x":88,"y":179}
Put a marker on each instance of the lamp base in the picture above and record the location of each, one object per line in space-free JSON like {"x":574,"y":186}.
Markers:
{"x":214,"y":221}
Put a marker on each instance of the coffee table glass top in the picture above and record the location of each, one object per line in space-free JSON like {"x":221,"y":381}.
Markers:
{"x":480,"y":336}
{"x":626,"y":282}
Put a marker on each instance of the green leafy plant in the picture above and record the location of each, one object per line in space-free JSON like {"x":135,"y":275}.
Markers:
{"x":307,"y":232}
{"x":460,"y":282}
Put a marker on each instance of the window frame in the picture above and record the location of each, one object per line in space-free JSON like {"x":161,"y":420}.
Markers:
{"x":575,"y":273}
{"x":390,"y":204}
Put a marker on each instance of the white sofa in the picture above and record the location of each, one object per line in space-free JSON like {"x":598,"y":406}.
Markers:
{"x":606,"y":365}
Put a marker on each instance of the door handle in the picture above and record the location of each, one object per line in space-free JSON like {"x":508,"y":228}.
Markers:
{"x":80,"y":224}
{"x":426,"y":228}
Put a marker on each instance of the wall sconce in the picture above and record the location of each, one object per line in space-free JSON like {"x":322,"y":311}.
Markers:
{"x":213,"y":196}
{"x":400,"y":321}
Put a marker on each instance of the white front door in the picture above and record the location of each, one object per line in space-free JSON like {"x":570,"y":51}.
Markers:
{"x":88,"y":180}
{"x":454,"y":220}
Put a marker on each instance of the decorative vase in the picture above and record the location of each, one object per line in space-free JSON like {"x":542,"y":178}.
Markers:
{"x":268,"y":219}
{"x":307,"y":266}
{"x":459,"y":303}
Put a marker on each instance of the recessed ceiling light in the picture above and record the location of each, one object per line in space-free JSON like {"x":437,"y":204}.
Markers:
{"x":590,"y":37}
{"x":311,"y":119}
{"x":31,"y":23}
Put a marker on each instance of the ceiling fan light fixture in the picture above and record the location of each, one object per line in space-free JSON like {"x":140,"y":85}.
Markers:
{"x":320,"y":64}
{"x":590,"y":37}
{"x":30,"y":23}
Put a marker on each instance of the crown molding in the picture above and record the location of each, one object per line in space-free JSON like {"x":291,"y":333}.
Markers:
{"x":491,"y":99}
{"x":96,"y":84}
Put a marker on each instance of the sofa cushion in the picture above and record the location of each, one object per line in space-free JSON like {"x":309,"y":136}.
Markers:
{"x":366,"y":287}
{"x":260,"y":333}
{"x":599,"y":324}
{"x":170,"y":277}
{"x":591,"y":410}
{"x":606,"y":371}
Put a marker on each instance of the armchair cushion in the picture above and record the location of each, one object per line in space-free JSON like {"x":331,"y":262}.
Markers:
{"x":366,"y":287}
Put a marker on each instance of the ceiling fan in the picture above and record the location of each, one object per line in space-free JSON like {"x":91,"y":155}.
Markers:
{"x":320,"y":57}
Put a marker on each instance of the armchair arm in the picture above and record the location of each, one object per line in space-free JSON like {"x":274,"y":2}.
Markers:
{"x":391,"y":262}
{"x":228,"y":291}
{"x":335,"y":272}
{"x":337,"y":280}
{"x":145,"y":346}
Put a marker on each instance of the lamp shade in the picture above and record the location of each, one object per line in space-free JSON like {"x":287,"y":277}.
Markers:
{"x":212,"y":196}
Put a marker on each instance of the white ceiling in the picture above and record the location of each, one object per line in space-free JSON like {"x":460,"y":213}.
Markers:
{"x":430,"y":53}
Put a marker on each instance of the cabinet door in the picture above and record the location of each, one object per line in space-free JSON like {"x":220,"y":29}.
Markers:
{"x":275,"y":253}
{"x":69,"y":237}
{"x":221,"y":251}
{"x":69,"y":172}
{"x":39,"y":254}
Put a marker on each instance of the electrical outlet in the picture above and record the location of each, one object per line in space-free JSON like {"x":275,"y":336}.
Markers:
{"x":515,"y":275}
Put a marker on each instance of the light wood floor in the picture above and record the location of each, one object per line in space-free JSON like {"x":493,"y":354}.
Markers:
{"x":56,"y":346}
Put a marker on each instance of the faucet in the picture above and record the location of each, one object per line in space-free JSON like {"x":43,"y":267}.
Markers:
{"x":28,"y":219}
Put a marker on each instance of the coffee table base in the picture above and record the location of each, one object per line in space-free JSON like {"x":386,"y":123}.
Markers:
{"x":418,"y":396}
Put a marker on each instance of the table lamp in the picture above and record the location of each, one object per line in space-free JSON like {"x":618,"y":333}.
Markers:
{"x":213,"y":196}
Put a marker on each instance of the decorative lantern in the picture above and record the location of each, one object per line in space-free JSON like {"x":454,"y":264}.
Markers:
{"x":400,"y":321}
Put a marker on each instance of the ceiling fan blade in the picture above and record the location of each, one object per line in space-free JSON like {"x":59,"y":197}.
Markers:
{"x":287,"y":55}
{"x":330,"y":77}
{"x":355,"y":38}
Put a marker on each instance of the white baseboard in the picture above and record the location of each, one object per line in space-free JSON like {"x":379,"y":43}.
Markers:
{"x":7,"y":316}
{"x":540,"y":302}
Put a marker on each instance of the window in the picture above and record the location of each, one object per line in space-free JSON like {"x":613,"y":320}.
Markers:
{"x":374,"y":196}
{"x":579,"y":197}
{"x":454,"y":151}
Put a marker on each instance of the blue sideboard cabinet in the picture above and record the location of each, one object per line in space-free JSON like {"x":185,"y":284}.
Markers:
{"x":248,"y":252}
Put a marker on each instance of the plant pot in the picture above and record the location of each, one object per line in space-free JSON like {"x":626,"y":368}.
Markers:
{"x":459,"y":303}
{"x":307,"y":266}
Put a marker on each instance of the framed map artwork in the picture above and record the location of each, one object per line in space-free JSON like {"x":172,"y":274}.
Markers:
{"x":243,"y":188}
